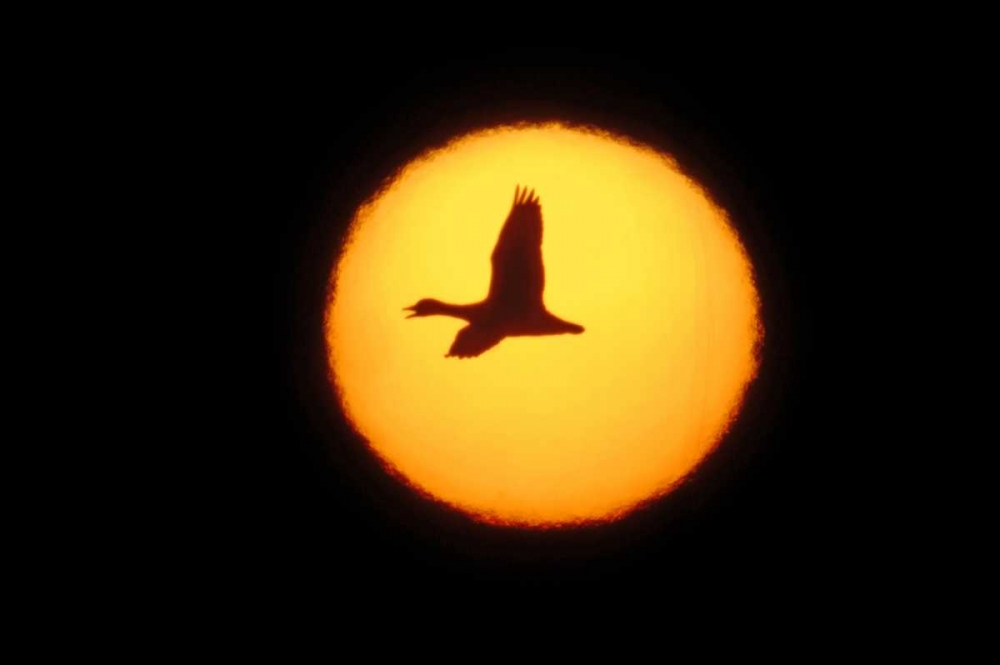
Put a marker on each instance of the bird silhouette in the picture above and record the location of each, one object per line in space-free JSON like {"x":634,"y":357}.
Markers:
{"x":514,"y":306}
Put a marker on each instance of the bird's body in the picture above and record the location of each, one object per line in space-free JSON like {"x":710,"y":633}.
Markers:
{"x":514,"y":305}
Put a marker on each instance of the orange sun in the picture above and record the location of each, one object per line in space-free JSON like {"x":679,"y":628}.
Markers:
{"x":563,"y":428}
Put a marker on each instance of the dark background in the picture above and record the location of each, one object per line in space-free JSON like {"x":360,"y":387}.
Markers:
{"x":302,"y":505}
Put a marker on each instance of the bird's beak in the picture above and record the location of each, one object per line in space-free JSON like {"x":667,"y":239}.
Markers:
{"x":411,"y":308}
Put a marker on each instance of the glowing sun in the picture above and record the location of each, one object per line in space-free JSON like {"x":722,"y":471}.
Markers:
{"x":561,"y":428}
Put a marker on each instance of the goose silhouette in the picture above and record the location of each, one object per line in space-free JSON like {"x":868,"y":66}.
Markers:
{"x":514,"y":306}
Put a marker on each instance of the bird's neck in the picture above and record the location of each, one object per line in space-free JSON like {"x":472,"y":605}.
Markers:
{"x":465,"y":312}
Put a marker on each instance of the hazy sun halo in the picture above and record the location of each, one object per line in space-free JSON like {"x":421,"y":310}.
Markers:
{"x":556,"y":429}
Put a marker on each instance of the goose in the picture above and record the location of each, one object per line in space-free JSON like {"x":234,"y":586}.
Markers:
{"x":513,"y":307}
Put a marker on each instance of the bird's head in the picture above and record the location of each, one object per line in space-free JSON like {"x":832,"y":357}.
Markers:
{"x":425,"y":307}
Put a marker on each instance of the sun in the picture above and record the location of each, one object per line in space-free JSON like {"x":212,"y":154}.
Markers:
{"x":564,"y":428}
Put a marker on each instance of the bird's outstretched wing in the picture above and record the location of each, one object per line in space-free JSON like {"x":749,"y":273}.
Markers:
{"x":473,"y":340}
{"x":518,"y":273}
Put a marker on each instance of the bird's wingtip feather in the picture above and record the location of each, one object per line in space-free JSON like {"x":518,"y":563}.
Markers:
{"x":525,"y":196}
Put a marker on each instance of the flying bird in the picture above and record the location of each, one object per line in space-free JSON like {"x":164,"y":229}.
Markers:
{"x":513,"y":307}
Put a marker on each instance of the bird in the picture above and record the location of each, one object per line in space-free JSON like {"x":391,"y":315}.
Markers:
{"x":514,"y":306}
